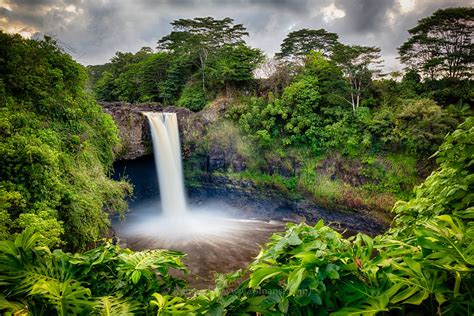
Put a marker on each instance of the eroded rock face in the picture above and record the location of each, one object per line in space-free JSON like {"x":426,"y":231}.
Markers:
{"x":133,"y":130}
{"x":209,"y":152}
{"x":208,"y":142}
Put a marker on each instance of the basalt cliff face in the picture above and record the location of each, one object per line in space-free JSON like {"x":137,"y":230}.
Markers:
{"x":135,"y":131}
{"x":210,"y":143}
{"x":203,"y":149}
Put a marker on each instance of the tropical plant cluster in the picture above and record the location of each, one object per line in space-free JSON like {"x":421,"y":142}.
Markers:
{"x":56,"y":148}
{"x":106,"y":280}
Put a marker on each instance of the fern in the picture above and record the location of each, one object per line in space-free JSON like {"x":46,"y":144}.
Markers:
{"x":15,"y":307}
{"x":34,"y":280}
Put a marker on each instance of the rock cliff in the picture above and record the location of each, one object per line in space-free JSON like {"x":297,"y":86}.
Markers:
{"x":205,"y":139}
{"x":135,"y":131}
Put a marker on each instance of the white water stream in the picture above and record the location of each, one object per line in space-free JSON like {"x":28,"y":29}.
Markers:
{"x":167,"y":150}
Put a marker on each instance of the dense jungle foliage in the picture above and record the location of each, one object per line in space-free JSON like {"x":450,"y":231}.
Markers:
{"x":56,"y":147}
{"x":322,"y":102}
{"x":423,"y":265}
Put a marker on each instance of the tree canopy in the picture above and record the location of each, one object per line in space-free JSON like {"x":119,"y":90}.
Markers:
{"x":206,"y":32}
{"x":441,"y":45}
{"x":359,"y":64}
{"x":299,"y":43}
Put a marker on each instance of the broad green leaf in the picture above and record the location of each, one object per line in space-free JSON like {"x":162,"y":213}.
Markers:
{"x":262,"y":274}
{"x":294,"y":280}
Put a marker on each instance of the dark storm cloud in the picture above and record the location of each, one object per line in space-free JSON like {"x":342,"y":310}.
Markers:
{"x":364,"y":15}
{"x":293,"y":5}
{"x":33,"y":3}
{"x":94,"y":30}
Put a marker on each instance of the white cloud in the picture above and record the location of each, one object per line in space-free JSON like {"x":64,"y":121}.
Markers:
{"x":95,"y":30}
{"x":331,"y":12}
{"x":407,"y":5}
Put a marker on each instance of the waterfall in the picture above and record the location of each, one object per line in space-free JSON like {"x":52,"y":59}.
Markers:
{"x":167,"y":152}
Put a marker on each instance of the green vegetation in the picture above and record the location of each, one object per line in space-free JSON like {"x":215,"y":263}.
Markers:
{"x":199,"y":59}
{"x":56,"y":146}
{"x":103,"y":281}
{"x":423,"y":265}
{"x":325,"y":123}
{"x":343,"y":142}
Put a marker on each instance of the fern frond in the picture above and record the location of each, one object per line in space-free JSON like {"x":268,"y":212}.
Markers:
{"x":14,"y":307}
{"x":142,"y":264}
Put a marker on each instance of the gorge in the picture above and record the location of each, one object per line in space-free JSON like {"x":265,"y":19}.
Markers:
{"x":225,"y":221}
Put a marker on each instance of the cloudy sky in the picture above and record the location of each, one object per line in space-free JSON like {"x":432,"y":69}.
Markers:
{"x":92,"y":31}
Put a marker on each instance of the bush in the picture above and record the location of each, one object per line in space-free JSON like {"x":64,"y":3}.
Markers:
{"x":420,"y":125}
{"x":192,"y":97}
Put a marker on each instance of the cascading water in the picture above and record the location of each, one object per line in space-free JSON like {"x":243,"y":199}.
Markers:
{"x":167,"y":150}
{"x":212,"y":240}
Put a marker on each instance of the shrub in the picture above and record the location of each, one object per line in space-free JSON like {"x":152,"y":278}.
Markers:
{"x":192,"y":97}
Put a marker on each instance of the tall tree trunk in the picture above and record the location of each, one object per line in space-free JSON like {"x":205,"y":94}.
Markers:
{"x":352,"y":93}
{"x":353,"y":102}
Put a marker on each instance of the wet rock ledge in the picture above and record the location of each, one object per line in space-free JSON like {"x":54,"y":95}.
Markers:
{"x":135,"y":132}
{"x":198,"y":150}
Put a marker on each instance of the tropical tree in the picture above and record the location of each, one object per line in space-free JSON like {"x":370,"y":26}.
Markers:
{"x":331,"y":82}
{"x":359,"y":64}
{"x":441,"y":45}
{"x":200,"y":37}
{"x":234,"y":64}
{"x":299,"y":43}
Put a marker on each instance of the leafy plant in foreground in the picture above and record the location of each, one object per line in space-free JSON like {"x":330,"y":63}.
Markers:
{"x":105,"y":281}
{"x":423,"y":264}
